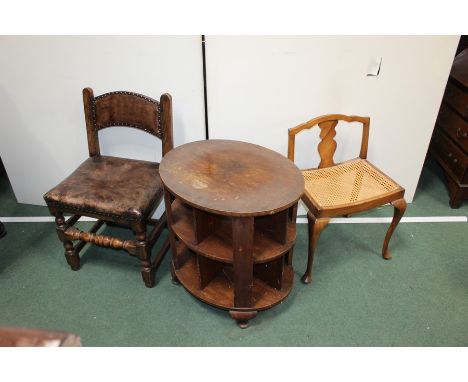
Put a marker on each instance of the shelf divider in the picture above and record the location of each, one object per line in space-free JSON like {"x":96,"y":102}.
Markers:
{"x":271,"y":273}
{"x":275,"y":226}
{"x":243,"y":241}
{"x":208,"y":270}
{"x":204,"y":224}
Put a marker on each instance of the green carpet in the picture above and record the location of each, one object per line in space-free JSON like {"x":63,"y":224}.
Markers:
{"x":420,"y":298}
{"x":10,"y":207}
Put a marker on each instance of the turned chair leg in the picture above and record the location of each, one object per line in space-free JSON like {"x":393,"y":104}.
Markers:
{"x":316,"y":227}
{"x":144,"y":253}
{"x":399,"y":209}
{"x":73,"y":259}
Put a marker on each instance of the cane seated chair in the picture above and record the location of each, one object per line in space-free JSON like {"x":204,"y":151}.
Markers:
{"x":116,"y":190}
{"x":345,"y":188}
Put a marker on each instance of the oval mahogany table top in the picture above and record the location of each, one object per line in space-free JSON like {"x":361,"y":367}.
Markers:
{"x":231,"y":177}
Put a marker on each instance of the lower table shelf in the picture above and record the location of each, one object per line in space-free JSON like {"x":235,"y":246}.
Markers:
{"x":219,"y":292}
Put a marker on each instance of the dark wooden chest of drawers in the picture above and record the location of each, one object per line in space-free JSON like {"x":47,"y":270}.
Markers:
{"x":449,"y":145}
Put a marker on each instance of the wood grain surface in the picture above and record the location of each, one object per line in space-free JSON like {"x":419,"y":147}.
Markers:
{"x":231,"y":178}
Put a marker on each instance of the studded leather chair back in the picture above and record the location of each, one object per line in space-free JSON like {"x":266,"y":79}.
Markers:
{"x":122,"y":108}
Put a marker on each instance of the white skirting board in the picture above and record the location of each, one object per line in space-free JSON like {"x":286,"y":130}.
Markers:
{"x":417,"y":219}
{"x":300,"y":220}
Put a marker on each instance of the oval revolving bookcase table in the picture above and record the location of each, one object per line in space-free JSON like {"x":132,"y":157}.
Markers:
{"x":231,"y":207}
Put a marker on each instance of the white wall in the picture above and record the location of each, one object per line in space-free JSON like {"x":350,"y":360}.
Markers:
{"x":42,"y":128}
{"x":258,"y":87}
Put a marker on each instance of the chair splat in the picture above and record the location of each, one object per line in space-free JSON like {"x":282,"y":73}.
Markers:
{"x":327,"y":145}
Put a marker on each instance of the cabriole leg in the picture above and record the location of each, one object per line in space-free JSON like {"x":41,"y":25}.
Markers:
{"x":399,"y":209}
{"x":316,"y":227}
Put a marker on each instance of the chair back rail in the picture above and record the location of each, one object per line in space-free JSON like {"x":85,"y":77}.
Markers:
{"x":327,"y":145}
{"x":127,"y":109}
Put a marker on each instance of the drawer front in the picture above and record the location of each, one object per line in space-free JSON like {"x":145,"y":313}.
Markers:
{"x":454,"y":125}
{"x":457,"y":98}
{"x":450,"y":155}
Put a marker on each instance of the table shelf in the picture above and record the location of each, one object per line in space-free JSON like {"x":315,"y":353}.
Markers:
{"x":218,"y":245}
{"x":219,"y":292}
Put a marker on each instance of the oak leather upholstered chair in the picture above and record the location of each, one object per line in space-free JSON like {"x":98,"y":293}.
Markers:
{"x":116,"y":190}
{"x":344,"y":188}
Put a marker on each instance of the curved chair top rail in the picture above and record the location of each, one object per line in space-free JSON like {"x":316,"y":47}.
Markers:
{"x":327,"y":145}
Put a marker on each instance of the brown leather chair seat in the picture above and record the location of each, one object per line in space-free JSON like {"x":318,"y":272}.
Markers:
{"x":109,"y":187}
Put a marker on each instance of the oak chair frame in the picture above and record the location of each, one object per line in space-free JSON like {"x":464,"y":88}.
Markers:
{"x":142,"y":245}
{"x":318,"y":217}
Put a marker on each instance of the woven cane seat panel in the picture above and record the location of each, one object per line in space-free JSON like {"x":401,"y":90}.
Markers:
{"x":347,"y":183}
